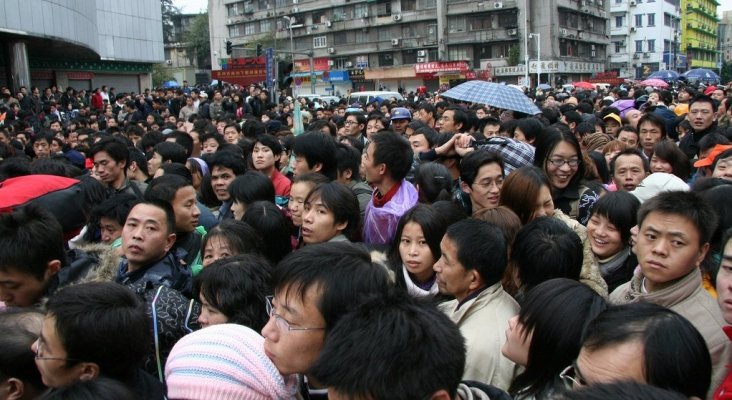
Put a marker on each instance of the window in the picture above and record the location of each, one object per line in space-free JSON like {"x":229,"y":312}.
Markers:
{"x":384,"y":33}
{"x":383,"y":8}
{"x":340,"y":38}
{"x":618,"y":22}
{"x":265,"y":25}
{"x":361,"y":36}
{"x":457,"y":24}
{"x":507,"y":20}
{"x":667,"y":19}
{"x":651,"y":19}
{"x":638,"y":46}
{"x":234,"y":31}
{"x":432,"y":35}
{"x":458,"y":54}
{"x":319,"y":17}
{"x":250,"y":29}
{"x":409,"y":5}
{"x":479,"y":23}
{"x":340,"y":14}
{"x":340,"y":63}
{"x":234,"y":10}
{"x":427,"y":4}
{"x":618,"y":45}
{"x":319,"y":42}
{"x":566,"y":48}
{"x":639,"y":20}
{"x":666,"y":46}
{"x":652,"y":45}
{"x":386,"y":59}
{"x":408,"y":31}
{"x":361,"y":10}
{"x":409,"y":57}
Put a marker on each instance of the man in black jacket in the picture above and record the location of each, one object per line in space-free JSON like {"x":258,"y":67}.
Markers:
{"x":703,"y":119}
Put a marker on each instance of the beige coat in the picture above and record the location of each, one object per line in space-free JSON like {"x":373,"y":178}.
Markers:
{"x":483,"y":322}
{"x":688,"y":298}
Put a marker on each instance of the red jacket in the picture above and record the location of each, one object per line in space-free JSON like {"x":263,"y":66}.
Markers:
{"x":97,"y":101}
{"x":724,"y":391}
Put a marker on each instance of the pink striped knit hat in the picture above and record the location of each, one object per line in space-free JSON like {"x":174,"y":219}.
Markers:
{"x":225,"y":362}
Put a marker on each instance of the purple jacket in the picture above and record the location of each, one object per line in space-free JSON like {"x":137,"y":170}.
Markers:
{"x":379,"y":224}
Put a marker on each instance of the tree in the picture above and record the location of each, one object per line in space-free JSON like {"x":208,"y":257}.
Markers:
{"x":198,"y":46}
{"x":161,"y":74}
{"x":168,"y":10}
{"x":513,"y":55}
{"x":726,"y":75}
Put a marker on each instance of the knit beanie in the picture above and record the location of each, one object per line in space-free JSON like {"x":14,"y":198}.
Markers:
{"x":225,"y":362}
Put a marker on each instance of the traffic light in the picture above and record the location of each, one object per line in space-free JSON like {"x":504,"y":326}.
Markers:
{"x":259,"y":49}
{"x":228,"y":47}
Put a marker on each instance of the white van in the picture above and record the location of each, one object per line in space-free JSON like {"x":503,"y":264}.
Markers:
{"x":367,"y":97}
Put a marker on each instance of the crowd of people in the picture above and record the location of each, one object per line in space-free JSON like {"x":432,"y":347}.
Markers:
{"x":164,"y":245}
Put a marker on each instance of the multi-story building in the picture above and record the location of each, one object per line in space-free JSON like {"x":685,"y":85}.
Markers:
{"x":725,"y":36}
{"x":645,"y":37}
{"x":699,"y":32}
{"x":366,"y":44}
{"x":181,"y":65}
{"x":81,"y":44}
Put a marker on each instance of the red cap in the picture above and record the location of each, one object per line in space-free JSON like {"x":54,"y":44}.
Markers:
{"x":710,"y":90}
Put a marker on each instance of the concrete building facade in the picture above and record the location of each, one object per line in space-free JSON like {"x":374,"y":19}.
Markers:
{"x":725,"y":36}
{"x":390,"y":44}
{"x":81,"y":44}
{"x":699,"y":32}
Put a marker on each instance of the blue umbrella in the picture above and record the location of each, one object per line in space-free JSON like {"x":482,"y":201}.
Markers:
{"x":702,"y":75}
{"x":171,"y":84}
{"x":666,"y":75}
{"x":493,"y":94}
{"x":544,"y":86}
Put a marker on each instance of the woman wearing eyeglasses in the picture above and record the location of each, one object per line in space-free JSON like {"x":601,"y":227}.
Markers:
{"x":546,"y":335}
{"x":559,"y":155}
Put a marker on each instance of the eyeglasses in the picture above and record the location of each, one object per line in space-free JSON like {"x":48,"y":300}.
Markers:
{"x":571,"y":377}
{"x":558,"y":162}
{"x":487,"y":184}
{"x":39,"y":352}
{"x":350,"y":123}
{"x":283,"y":324}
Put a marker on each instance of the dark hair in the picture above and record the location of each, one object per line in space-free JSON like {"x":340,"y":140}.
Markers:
{"x":620,"y":208}
{"x":116,"y":207}
{"x":434,"y":182}
{"x":92,"y":389}
{"x":655,"y":120}
{"x":167,"y":209}
{"x":178,"y":170}
{"x":115,"y":147}
{"x":490,"y":258}
{"x":342,"y":202}
{"x":546,"y":248}
{"x":317,"y":149}
{"x":409,"y":350}
{"x":226,"y":159}
{"x":348,"y":158}
{"x":394,"y":151}
{"x":471,"y":164}
{"x":30,"y":238}
{"x":531,"y":128}
{"x":689,"y":205}
{"x":702,"y":98}
{"x":138,"y":157}
{"x":250,"y":187}
{"x":675,"y":355}
{"x":433,"y":226}
{"x":273,"y":144}
{"x":721,"y":156}
{"x":183,"y":139}
{"x":103,"y":323}
{"x":623,"y":390}
{"x":459,"y":116}
{"x":342,"y":273}
{"x":628,"y":151}
{"x":19,"y":328}
{"x":240,"y":236}
{"x":172,"y":152}
{"x":545,"y":144}
{"x":555,"y":313}
{"x":237,"y":287}
{"x":272,"y":226}
{"x":164,"y":188}
{"x":521,"y":190}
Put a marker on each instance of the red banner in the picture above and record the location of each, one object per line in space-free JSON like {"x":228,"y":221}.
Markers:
{"x":441,"y":66}
{"x":319,"y":64}
{"x":80,"y":75}
{"x":241,"y":76}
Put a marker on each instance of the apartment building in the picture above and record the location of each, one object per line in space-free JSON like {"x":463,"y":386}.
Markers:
{"x":699,"y":32}
{"x":725,"y":36}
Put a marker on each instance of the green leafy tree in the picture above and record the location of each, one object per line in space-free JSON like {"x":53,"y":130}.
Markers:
{"x":161,"y":74}
{"x":513,"y":55}
{"x":198,"y":46}
{"x":168,"y":11}
{"x":726,"y":72}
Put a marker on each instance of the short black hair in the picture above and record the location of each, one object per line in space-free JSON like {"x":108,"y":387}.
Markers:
{"x":184,"y":139}
{"x":116,"y":207}
{"x":621,"y":209}
{"x":115,"y":147}
{"x":167,"y":209}
{"x":272,"y":226}
{"x":30,"y":238}
{"x":490,"y":258}
{"x":251,"y":186}
{"x":19,"y":328}
{"x":348,"y":158}
{"x":342,"y":273}
{"x":628,"y":151}
{"x":471,"y":164}
{"x":92,"y":389}
{"x":172,"y":152}
{"x":342,"y":202}
{"x":398,"y":348}
{"x":104,"y":323}
{"x":317,"y":149}
{"x":702,"y":98}
{"x":434,"y":181}
{"x":689,"y":205}
{"x":240,"y":236}
{"x":623,"y":390}
{"x":546,"y":248}
{"x":225,"y":159}
{"x":394,"y":151}
{"x":675,"y":356}
{"x":164,"y":188}
{"x":237,"y":287}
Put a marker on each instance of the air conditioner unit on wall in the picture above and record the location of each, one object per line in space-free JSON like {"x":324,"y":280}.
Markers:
{"x":349,"y":64}
{"x":632,"y":2}
{"x":563,"y":32}
{"x":636,"y":56}
{"x":512,"y":32}
{"x":421,"y":53}
{"x":632,"y":29}
{"x":421,"y":59}
{"x":397,"y":17}
{"x":498,"y":4}
{"x":331,"y":50}
{"x":169,"y":62}
{"x":328,"y":24}
{"x":330,"y":63}
{"x":395,"y":42}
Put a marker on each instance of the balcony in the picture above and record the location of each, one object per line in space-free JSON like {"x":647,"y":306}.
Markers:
{"x":470,"y":7}
{"x":476,"y":37}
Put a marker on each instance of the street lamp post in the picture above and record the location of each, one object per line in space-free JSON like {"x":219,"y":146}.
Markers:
{"x":290,"y":25}
{"x":537,"y":36}
{"x":526,"y":42}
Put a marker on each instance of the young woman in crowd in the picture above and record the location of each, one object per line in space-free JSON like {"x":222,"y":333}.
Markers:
{"x":558,"y":154}
{"x":416,"y":248}
{"x":330,"y":214}
{"x":301,"y":187}
{"x":667,"y":157}
{"x":266,"y":153}
{"x":233,"y":290}
{"x":546,"y":335}
{"x":246,"y":189}
{"x":608,"y":231}
{"x":229,"y":238}
{"x":272,"y":226}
